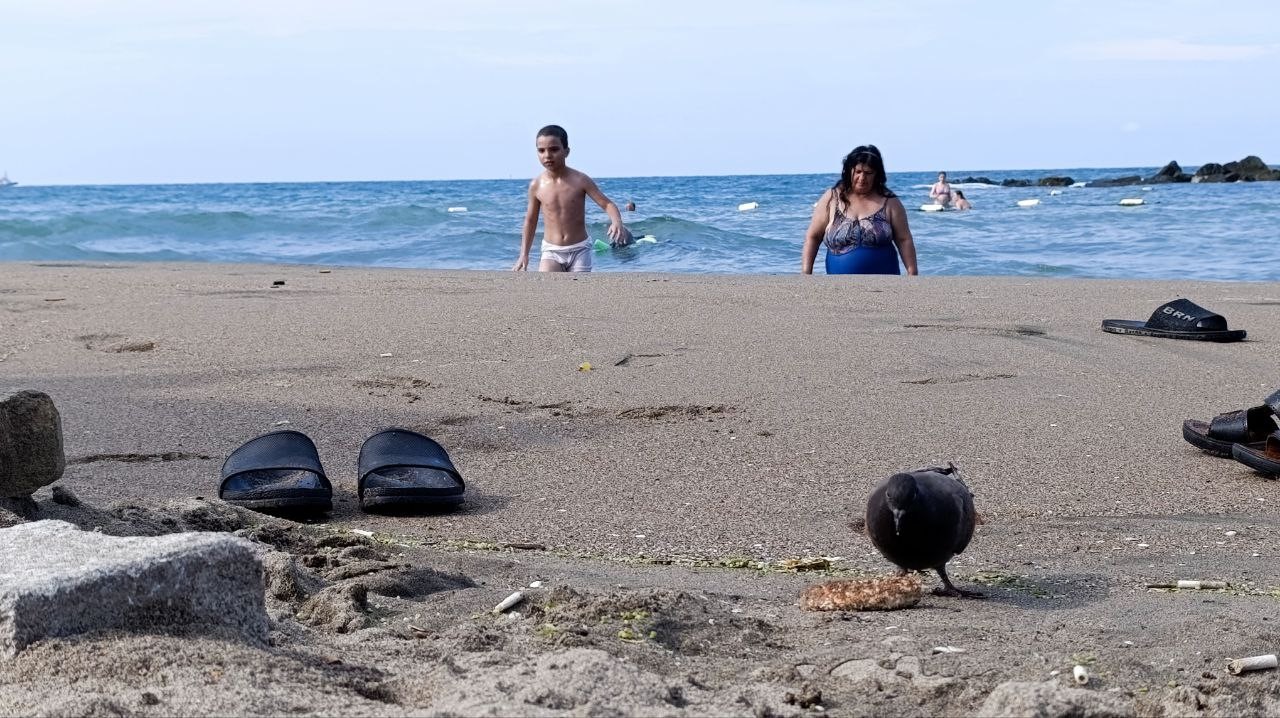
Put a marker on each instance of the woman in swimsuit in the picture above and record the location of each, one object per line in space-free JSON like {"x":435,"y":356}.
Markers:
{"x":861,"y":221}
{"x":940,"y":192}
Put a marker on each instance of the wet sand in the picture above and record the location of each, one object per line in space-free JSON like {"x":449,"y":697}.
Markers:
{"x":726,"y":425}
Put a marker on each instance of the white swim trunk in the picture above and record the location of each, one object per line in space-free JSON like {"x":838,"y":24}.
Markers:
{"x":572,"y":257}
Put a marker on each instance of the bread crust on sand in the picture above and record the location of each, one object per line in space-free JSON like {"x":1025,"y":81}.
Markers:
{"x":868,"y":594}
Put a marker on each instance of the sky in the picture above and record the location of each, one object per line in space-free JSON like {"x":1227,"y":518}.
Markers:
{"x":165,"y":91}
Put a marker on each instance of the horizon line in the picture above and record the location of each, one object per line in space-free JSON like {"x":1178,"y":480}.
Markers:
{"x":597,"y":177}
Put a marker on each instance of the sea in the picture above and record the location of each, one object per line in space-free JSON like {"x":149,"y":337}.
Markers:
{"x":746,"y":224}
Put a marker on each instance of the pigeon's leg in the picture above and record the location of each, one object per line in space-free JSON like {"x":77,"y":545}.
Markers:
{"x":949,"y":588}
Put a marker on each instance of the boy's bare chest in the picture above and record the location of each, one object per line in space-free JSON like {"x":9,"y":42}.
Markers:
{"x":555,"y":196}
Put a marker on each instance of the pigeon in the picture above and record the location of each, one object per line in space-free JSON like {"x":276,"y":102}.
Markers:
{"x":921,"y":519}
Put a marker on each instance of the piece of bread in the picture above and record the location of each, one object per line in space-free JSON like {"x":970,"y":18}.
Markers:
{"x":868,"y":594}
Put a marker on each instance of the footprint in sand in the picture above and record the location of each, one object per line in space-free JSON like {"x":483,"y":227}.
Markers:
{"x":115,"y":343}
{"x":138,"y":458}
{"x":958,"y":379}
{"x":686,"y":411}
{"x":383,"y":386}
{"x":989,"y":331}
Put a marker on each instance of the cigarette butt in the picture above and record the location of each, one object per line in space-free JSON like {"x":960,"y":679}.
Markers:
{"x":509,"y":601}
{"x":1202,"y":584}
{"x":362,"y":532}
{"x":1254,"y":663}
{"x":1080,"y":674}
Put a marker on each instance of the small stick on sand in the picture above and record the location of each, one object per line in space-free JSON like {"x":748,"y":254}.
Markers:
{"x":1254,"y":663}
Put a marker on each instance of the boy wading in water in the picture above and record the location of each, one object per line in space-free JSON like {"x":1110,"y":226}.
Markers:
{"x":562,"y":192}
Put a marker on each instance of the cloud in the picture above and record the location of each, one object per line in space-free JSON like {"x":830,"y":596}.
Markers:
{"x":1169,"y":50}
{"x":1130,"y":127}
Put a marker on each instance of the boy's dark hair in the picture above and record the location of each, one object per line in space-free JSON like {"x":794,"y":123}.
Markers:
{"x":554,"y":131}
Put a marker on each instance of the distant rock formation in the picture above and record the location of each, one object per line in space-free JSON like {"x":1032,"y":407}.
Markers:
{"x":1055,"y":182}
{"x":1169,"y":173}
{"x":1214,"y":172}
{"x":1249,"y":169}
{"x":1016,"y":183}
{"x":976,"y":180}
{"x":1116,"y":181}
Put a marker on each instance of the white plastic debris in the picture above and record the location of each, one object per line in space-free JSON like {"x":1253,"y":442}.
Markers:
{"x":362,"y":532}
{"x":1196,"y":585}
{"x":947,"y":649}
{"x":1080,"y":675}
{"x":1253,"y":663}
{"x":509,"y":601}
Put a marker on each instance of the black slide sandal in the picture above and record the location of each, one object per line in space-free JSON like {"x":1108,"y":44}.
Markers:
{"x":277,"y":472}
{"x":401,"y":468}
{"x":1178,"y":319}
{"x":1242,"y":426}
{"x":1265,"y":460}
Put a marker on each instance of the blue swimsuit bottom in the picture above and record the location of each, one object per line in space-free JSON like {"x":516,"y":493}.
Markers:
{"x":882,"y":259}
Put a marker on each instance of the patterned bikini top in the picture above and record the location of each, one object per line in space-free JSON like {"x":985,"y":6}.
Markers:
{"x":846,"y":233}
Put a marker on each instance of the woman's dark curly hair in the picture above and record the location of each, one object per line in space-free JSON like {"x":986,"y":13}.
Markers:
{"x":862,"y":155}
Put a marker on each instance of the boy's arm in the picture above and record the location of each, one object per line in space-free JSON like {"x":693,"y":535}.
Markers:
{"x":618,"y":232}
{"x":530,"y":227}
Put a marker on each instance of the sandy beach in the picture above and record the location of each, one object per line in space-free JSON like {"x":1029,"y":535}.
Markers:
{"x":726,"y":426}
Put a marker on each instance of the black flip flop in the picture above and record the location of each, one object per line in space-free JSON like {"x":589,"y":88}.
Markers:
{"x":1264,"y":459}
{"x":279,"y":471}
{"x":1179,"y":319}
{"x":402,"y":468}
{"x":1242,"y":426}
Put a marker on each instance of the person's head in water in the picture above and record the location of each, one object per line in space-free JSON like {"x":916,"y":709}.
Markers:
{"x":942,"y":176}
{"x":631,"y":206}
{"x":552,"y":143}
{"x":959,"y":194}
{"x":864,"y":159}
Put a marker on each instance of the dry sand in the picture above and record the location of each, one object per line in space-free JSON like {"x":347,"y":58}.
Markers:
{"x":727,"y":425}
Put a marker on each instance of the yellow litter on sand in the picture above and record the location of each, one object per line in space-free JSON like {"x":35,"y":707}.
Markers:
{"x":584,"y":366}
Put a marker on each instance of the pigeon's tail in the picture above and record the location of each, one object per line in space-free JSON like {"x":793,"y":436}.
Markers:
{"x":949,"y":470}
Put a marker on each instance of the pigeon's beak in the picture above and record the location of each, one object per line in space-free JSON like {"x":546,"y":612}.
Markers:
{"x":897,"y":519}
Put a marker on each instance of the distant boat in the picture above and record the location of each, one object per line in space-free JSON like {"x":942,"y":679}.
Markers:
{"x":5,"y":181}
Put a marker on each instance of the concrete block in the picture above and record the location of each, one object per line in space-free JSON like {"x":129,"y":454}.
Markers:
{"x":31,"y":453}
{"x":56,"y":580}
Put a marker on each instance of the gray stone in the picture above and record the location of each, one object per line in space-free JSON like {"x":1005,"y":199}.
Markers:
{"x":1116,"y":181}
{"x":30,"y":442}
{"x":56,"y":580}
{"x":1050,"y":699}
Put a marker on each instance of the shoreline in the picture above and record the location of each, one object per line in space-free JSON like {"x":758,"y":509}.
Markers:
{"x":728,"y":418}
